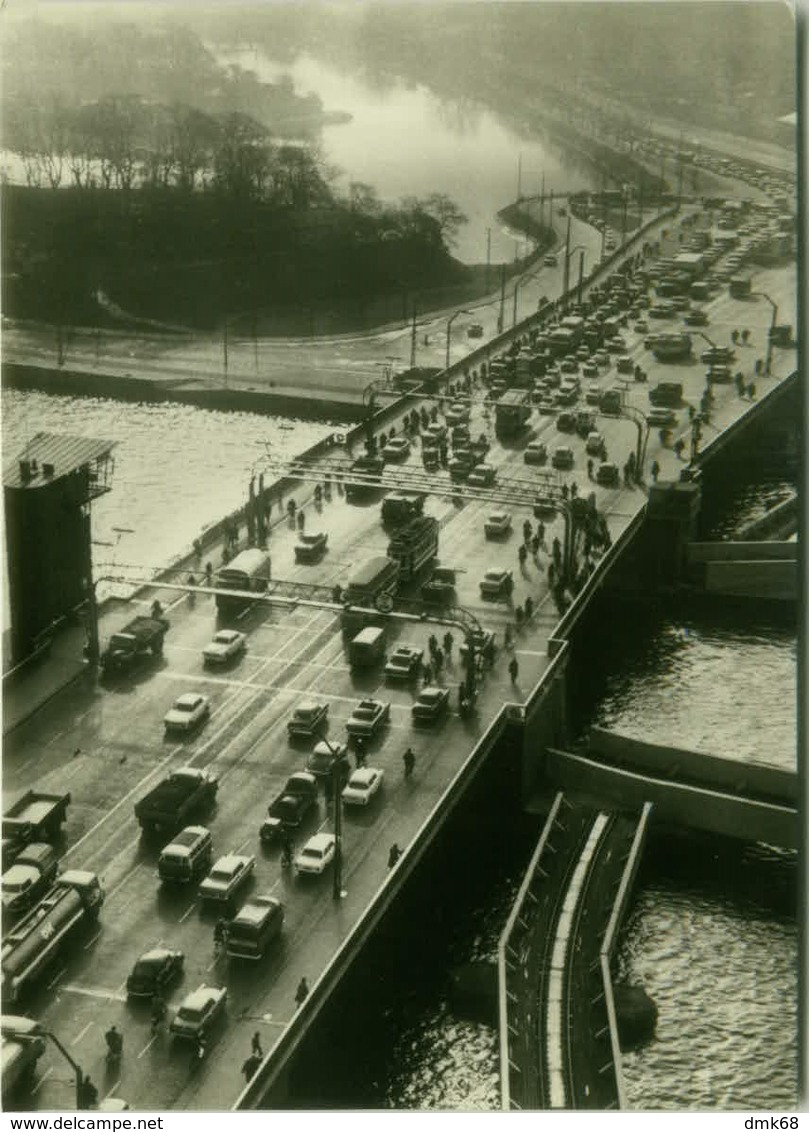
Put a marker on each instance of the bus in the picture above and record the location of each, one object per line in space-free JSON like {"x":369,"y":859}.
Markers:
{"x":374,"y":577}
{"x":414,"y":546}
{"x":512,"y":412}
{"x":249,"y":571}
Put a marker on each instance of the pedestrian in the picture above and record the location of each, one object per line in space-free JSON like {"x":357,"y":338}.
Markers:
{"x":157,"y":609}
{"x":250,"y":1066}
{"x":301,"y":520}
{"x":438,"y":660}
{"x":360,"y":753}
{"x":745,"y":337}
{"x":286,"y":854}
{"x":518,"y":616}
{"x":535,"y":545}
{"x":529,"y":607}
{"x":735,"y":337}
{"x":302,"y":993}
{"x":574,"y":488}
{"x":432,"y":644}
{"x":448,"y":640}
{"x":513,"y":669}
{"x":409,"y":760}
{"x":255,"y":1045}
{"x":427,"y":674}
{"x":759,"y":366}
{"x":526,"y":531}
{"x":394,"y":855}
{"x":589,"y":469}
{"x":197,"y":549}
{"x":655,"y":470}
{"x":208,"y":574}
{"x":751,"y":391}
{"x":87,"y":1093}
{"x":739,"y":381}
{"x":692,"y":412}
{"x":679,"y":445}
{"x":541,"y":532}
{"x":522,"y":553}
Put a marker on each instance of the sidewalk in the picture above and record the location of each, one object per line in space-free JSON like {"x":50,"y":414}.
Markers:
{"x":27,"y":691}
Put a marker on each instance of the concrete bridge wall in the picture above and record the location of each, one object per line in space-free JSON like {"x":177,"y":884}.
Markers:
{"x":742,"y":551}
{"x":678,"y":803}
{"x":665,"y":762}
{"x":767,"y":581}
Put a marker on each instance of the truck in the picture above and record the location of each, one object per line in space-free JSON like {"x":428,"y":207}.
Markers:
{"x":414,"y":545}
{"x":370,"y":468}
{"x":166,"y":808}
{"x":74,"y":900}
{"x":31,"y":875}
{"x":139,"y":638}
{"x":512,"y":412}
{"x":672,"y":347}
{"x":291,"y":805}
{"x":33,"y":817}
{"x":740,"y":286}
{"x":367,"y":648}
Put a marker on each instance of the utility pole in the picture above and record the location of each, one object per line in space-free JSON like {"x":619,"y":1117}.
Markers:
{"x":581,"y":277}
{"x":519,"y":176}
{"x":566,"y":275}
{"x":225,"y":351}
{"x":488,"y":255}
{"x":623,"y":221}
{"x":542,"y":201}
{"x":550,"y":212}
{"x":337,"y":874}
{"x":501,"y":320}
{"x":413,"y":340}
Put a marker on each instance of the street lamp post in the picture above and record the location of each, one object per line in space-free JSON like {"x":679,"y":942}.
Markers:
{"x":40,"y":1032}
{"x":450,"y":321}
{"x":337,"y":874}
{"x":523,"y":279}
{"x":773,"y":321}
{"x":566,"y":277}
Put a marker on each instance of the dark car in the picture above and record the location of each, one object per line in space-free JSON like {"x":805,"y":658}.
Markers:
{"x":153,"y":971}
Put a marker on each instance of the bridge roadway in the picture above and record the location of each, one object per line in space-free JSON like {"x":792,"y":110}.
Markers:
{"x":105,"y":745}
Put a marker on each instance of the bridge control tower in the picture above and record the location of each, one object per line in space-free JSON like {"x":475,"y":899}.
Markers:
{"x":47,"y":492}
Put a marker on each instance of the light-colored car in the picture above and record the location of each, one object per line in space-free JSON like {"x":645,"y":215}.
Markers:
{"x":497,"y":583}
{"x":397,"y":448}
{"x":431,"y":703}
{"x":317,"y":854}
{"x":536,"y":452}
{"x":404,"y":662}
{"x":594,"y":445}
{"x":199,"y":1011}
{"x":483,"y":475}
{"x":307,"y":718}
{"x":226,"y":878}
{"x":226,"y":645}
{"x":362,"y":786}
{"x":497,"y":524}
{"x":563,"y":458}
{"x":367,"y":718}
{"x":435,"y":432}
{"x":188,"y":711}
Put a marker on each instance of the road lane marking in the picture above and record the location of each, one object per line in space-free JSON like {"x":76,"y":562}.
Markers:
{"x":42,"y":1080}
{"x":111,"y":1091}
{"x":90,"y":942}
{"x":81,"y":1034}
{"x":56,"y":978}
{"x":529,"y":652}
{"x":95,"y":992}
{"x":148,"y":1045}
{"x":187,"y":912}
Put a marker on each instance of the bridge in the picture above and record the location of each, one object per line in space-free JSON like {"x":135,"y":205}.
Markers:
{"x":295,"y":651}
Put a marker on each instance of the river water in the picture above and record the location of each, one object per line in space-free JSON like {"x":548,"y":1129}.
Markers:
{"x":405,"y":141}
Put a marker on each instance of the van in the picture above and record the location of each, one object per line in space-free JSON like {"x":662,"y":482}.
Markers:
{"x":188,"y":856}
{"x":667,"y":393}
{"x":255,"y":927}
{"x":367,"y":647}
{"x":402,"y":506}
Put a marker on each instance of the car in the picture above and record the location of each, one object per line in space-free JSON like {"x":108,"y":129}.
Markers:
{"x":497,"y":583}
{"x":563,"y":458}
{"x":482,"y":640}
{"x":460,"y":434}
{"x":311,"y":547}
{"x":642,"y":326}
{"x":718,"y":374}
{"x":198,"y":1012}
{"x":547,"y":407}
{"x":566,"y":422}
{"x":460,"y":466}
{"x":593,"y":394}
{"x":434,"y":432}
{"x":317,"y":854}
{"x":29,"y":877}
{"x":662,"y":310}
{"x":602,"y":359}
{"x":225,"y":645}
{"x":153,"y":971}
{"x":362,"y":786}
{"x":367,"y":718}
{"x":324,"y":756}
{"x":550,"y":260}
{"x":717,"y":354}
{"x":569,"y":365}
{"x":610,"y":245}
{"x":594,"y":445}
{"x":397,"y":448}
{"x":616,"y":345}
{"x":225,"y":879}
{"x":497,"y":524}
{"x":430,"y":459}
{"x":457,"y":414}
{"x":475,"y":330}
{"x":607,"y":475}
{"x":589,"y":369}
{"x":404,"y":662}
{"x":536,"y":452}
{"x":307,"y":718}
{"x":681,"y":302}
{"x":431,"y":703}
{"x":661,"y":418}
{"x":187,"y":712}
{"x":697,"y":318}
{"x":583,"y":353}
{"x":625,"y":365}
{"x":483,"y":475}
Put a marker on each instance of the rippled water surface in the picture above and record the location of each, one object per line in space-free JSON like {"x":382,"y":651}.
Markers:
{"x":177,"y":468}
